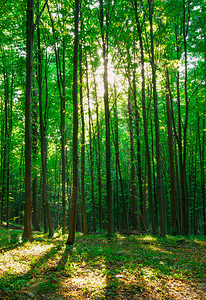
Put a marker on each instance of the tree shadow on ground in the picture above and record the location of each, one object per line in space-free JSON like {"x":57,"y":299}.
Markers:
{"x":32,"y":282}
{"x":128,"y":268}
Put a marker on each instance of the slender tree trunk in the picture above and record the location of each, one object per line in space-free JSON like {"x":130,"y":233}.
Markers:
{"x":157,"y":134}
{"x":99,"y":162}
{"x":116,"y":146}
{"x":185,"y":203}
{"x":82,"y":138}
{"x":195,"y":231}
{"x":71,"y":236}
{"x":154,"y":176}
{"x":63,"y":143}
{"x":28,"y":141}
{"x":139,"y":162}
{"x":5,"y":187}
{"x":201,"y":155}
{"x":149,"y":176}
{"x":43,"y":140}
{"x":203,"y":178}
{"x":2,"y":163}
{"x":106,"y":106}
{"x":91,"y":152}
{"x":34,"y":152}
{"x":61,"y":88}
{"x":171,"y":160}
{"x":132,"y":160}
{"x":6,"y":142}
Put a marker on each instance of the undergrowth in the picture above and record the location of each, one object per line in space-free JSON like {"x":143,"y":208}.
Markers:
{"x":98,"y":267}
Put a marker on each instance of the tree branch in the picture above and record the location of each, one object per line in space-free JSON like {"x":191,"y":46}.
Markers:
{"x":197,"y":88}
{"x":39,"y":16}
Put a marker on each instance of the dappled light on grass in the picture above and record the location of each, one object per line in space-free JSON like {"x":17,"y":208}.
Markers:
{"x":19,"y":260}
{"x":160,"y":249}
{"x":98,"y":267}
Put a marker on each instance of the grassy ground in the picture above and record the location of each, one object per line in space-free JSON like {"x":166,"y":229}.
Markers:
{"x":131,"y":267}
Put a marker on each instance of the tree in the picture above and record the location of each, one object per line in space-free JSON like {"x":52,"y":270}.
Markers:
{"x":71,"y":236}
{"x":28,"y":141}
{"x":104,"y":14}
{"x":157,"y":134}
{"x":145,"y":120}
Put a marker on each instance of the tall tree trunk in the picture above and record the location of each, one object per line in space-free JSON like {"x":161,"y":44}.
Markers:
{"x":71,"y":236}
{"x":154,"y":176}
{"x":203,"y":178}
{"x":185,"y":200}
{"x":2,"y":163}
{"x":7,"y":142}
{"x":156,"y":117}
{"x":34,"y":152}
{"x":61,"y":87}
{"x":99,"y":162}
{"x":132,"y":160}
{"x":116,"y":146}
{"x":202,"y":162}
{"x":195,"y":231}
{"x":106,"y":107}
{"x":91,"y":152}
{"x":5,"y":182}
{"x":139,"y":163}
{"x":43,"y":139}
{"x":63,"y":143}
{"x":149,"y":175}
{"x":82,"y":136}
{"x":171,"y":160}
{"x":28,"y":141}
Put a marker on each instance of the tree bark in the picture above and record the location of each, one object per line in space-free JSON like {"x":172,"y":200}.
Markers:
{"x":71,"y":237}
{"x":171,"y":160}
{"x":145,"y":123}
{"x":139,"y":162}
{"x":107,"y":116}
{"x":61,"y":88}
{"x":91,"y":151}
{"x":82,"y":136}
{"x":99,"y":162}
{"x":116,"y":146}
{"x":43,"y":140}
{"x":132,"y":161}
{"x":28,"y":141}
{"x":157,"y":134}
{"x":34,"y":152}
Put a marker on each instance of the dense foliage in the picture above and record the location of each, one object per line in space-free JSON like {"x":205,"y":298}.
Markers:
{"x":141,"y":112}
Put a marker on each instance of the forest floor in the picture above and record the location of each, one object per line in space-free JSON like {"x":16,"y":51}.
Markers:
{"x":98,"y":267}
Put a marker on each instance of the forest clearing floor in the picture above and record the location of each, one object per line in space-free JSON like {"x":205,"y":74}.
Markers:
{"x":98,"y":267}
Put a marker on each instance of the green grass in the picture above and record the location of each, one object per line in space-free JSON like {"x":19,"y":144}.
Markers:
{"x":98,"y":267}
